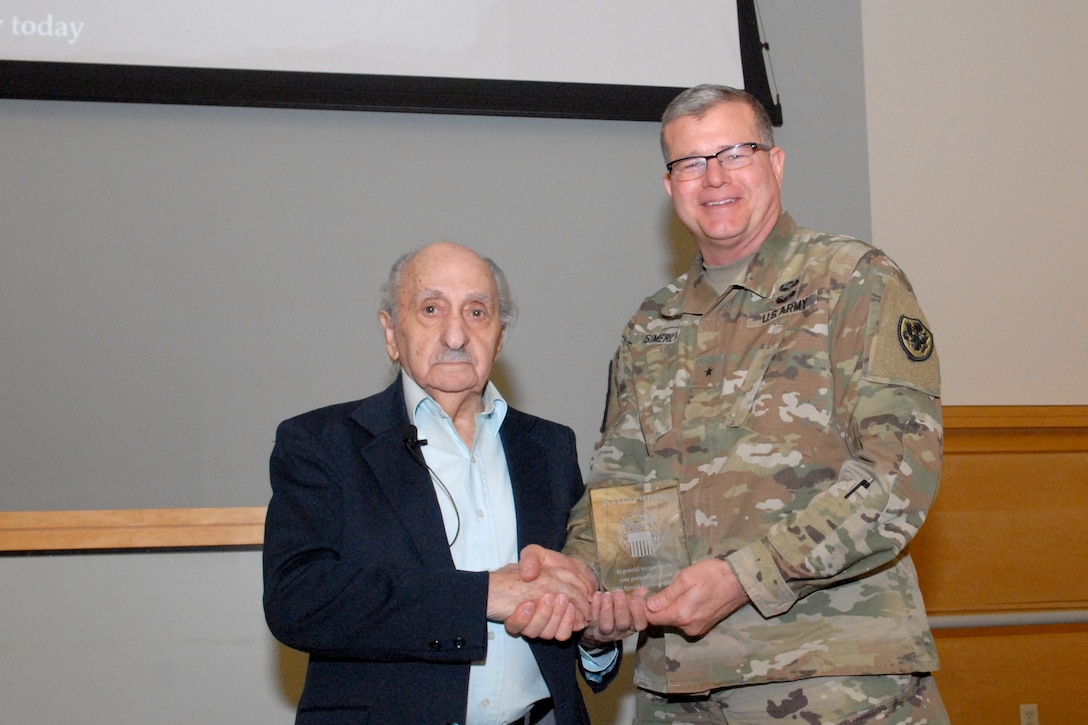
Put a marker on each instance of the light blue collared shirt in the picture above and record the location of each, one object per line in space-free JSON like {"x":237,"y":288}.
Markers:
{"x":504,"y":686}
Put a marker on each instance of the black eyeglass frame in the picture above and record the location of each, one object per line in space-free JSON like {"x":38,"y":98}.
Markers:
{"x":755,"y":147}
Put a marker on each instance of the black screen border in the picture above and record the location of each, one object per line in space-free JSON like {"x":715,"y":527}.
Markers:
{"x":58,"y":81}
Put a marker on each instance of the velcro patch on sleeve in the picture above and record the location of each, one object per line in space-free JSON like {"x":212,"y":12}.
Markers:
{"x":903,"y":351}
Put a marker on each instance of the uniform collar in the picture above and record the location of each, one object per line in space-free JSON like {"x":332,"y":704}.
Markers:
{"x":698,"y":296}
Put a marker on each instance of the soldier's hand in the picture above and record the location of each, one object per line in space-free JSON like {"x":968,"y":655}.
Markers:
{"x":700,"y":596}
{"x":614,"y":616}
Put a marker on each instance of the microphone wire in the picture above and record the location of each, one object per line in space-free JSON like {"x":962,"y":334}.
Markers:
{"x":413,"y":444}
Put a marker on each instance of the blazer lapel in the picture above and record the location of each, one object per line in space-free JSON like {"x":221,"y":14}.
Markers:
{"x":526,"y":460}
{"x":406,"y":484}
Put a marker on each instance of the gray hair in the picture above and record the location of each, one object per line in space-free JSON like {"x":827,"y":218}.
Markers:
{"x":700,"y":99}
{"x":508,"y":312}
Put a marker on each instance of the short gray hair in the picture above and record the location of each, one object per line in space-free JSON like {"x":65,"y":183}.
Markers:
{"x":698,"y":100}
{"x":508,"y":312}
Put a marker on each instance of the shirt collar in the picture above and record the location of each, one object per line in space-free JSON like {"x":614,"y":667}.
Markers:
{"x":419,"y":402}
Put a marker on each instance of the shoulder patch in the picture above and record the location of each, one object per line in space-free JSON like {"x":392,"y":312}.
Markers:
{"x":916,"y":339}
{"x":903,"y":351}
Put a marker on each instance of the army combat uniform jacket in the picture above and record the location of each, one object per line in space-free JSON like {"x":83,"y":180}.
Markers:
{"x":800,"y":414}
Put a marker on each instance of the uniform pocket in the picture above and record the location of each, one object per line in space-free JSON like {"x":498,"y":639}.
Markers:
{"x":653,"y":380}
{"x":741,"y":390}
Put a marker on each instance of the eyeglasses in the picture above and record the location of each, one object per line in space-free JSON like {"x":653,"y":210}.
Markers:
{"x":731,"y":158}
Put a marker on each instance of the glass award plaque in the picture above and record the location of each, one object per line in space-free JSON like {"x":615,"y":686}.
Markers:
{"x":639,"y":533}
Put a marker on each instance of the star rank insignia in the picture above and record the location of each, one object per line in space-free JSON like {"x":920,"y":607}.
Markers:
{"x":915,"y":338}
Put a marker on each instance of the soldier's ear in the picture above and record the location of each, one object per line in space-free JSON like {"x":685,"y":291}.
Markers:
{"x":778,"y":163}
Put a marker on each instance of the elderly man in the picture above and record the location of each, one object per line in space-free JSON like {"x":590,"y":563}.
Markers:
{"x":789,"y":384}
{"x":395,"y":525}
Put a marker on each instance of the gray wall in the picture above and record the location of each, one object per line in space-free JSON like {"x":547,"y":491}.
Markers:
{"x":183,"y":279}
{"x":176,"y":280}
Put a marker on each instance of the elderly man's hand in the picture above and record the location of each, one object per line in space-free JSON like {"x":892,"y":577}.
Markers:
{"x":558,"y":588}
{"x":536,"y":559}
{"x":553,"y":615}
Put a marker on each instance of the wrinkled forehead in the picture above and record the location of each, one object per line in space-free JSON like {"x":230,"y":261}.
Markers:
{"x":422,"y":294}
{"x":455,"y":276}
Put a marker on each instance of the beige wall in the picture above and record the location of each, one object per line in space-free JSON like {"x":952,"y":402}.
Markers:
{"x":978,"y":163}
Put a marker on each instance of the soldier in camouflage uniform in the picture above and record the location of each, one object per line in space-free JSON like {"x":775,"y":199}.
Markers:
{"x":789,"y":383}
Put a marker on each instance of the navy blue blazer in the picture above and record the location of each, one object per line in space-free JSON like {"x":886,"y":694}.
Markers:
{"x":358,"y":573}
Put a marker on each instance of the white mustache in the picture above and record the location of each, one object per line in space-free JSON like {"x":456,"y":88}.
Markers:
{"x":454,"y":356}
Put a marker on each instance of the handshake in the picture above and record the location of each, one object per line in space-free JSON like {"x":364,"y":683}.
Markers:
{"x":549,"y":595}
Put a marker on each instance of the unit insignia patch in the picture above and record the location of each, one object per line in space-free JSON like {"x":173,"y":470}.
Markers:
{"x":915,"y":337}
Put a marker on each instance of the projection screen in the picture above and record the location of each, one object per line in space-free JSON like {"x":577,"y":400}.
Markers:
{"x":560,"y":57}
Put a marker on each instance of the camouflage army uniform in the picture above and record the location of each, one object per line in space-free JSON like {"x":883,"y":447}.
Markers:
{"x":800,"y":414}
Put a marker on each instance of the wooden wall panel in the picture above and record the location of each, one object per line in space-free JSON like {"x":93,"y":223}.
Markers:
{"x":1009,"y":530}
{"x":131,"y":529}
{"x":988,"y":672}
{"x":1005,"y":532}
{"x":1008,"y":539}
